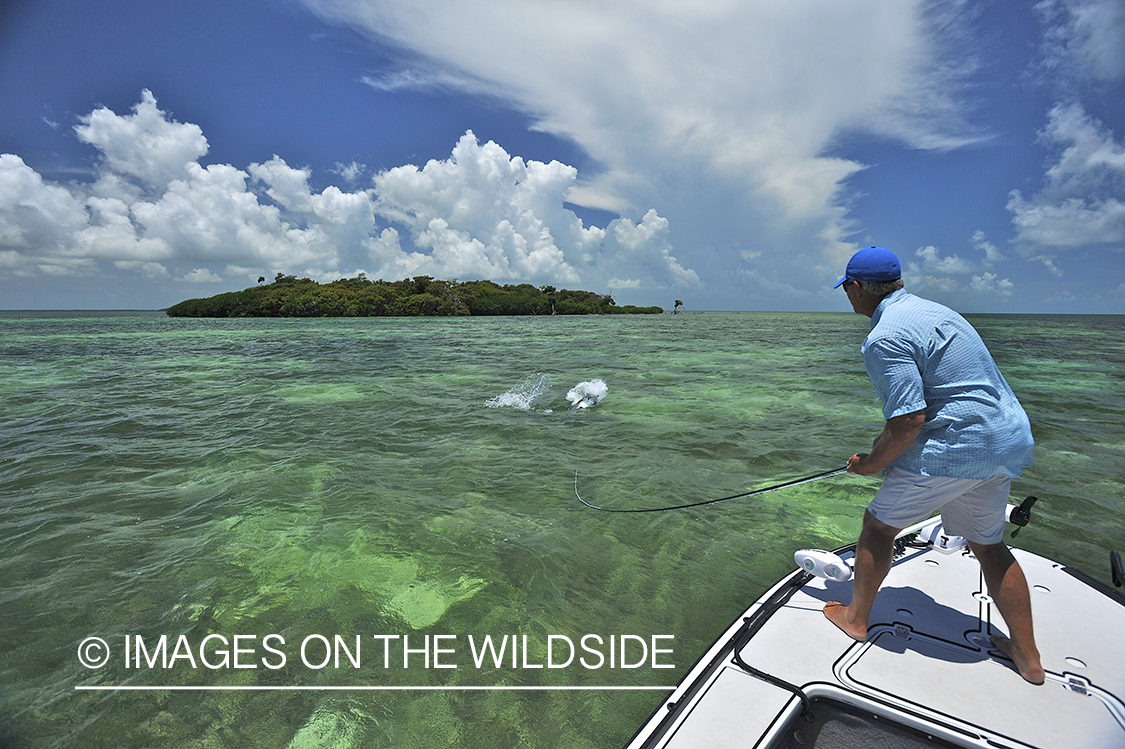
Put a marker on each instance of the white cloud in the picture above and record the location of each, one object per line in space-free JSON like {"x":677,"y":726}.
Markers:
{"x":146,"y":144}
{"x":991,"y":253}
{"x":1091,"y":160}
{"x":390,"y":259}
{"x":932,"y":262}
{"x":153,"y":203}
{"x":990,"y":283}
{"x":253,"y":274}
{"x":1074,"y":222}
{"x":941,"y":284}
{"x":643,"y":249}
{"x":33,"y":213}
{"x":200,"y":275}
{"x":287,"y":186}
{"x":1083,"y":38}
{"x":111,"y":234}
{"x":419,"y":79}
{"x":1081,"y":202}
{"x":149,"y":270}
{"x":212,"y":216}
{"x":1048,"y":263}
{"x":350,"y":172}
{"x":937,"y":273}
{"x":479,"y":214}
{"x":706,"y":110}
{"x":484,"y":213}
{"x":81,"y":266}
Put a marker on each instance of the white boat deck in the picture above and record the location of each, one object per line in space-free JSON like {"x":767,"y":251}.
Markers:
{"x":927,"y":664}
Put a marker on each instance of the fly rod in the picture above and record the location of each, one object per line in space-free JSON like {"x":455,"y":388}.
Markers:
{"x":775,"y":487}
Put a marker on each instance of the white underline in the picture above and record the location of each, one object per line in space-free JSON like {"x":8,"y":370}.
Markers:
{"x":358,"y":689}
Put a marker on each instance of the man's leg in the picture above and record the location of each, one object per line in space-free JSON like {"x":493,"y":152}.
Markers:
{"x":874,"y":553}
{"x":1008,"y":588}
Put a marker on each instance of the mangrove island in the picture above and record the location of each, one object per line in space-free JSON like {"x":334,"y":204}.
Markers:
{"x":289,"y":296}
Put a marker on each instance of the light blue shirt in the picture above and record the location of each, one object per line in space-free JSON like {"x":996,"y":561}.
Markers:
{"x":923,"y":355}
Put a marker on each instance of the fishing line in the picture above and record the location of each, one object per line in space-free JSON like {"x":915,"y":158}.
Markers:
{"x":775,"y":487}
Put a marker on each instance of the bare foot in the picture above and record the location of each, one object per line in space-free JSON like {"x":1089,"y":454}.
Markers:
{"x":1030,"y":668}
{"x":837,"y":613}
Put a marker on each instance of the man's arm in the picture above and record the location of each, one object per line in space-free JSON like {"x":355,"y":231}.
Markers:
{"x":898,"y":435}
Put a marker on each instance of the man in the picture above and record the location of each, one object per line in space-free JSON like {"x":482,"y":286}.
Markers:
{"x":954,"y":437}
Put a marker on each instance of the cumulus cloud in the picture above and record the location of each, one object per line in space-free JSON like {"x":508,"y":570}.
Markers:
{"x":479,"y":214}
{"x":200,"y":275}
{"x":989,"y":283}
{"x":145,"y":145}
{"x":644,"y":252}
{"x":153,"y":203}
{"x":212,"y":216}
{"x":945,"y":273}
{"x":714,"y":107}
{"x":484,"y":213}
{"x":1080,"y":204}
{"x":932,"y":262}
{"x":991,"y":253}
{"x":33,"y":213}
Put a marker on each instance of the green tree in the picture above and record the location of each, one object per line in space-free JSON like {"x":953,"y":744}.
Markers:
{"x":289,"y":296}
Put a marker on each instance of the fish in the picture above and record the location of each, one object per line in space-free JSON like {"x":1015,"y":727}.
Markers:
{"x":587,"y":394}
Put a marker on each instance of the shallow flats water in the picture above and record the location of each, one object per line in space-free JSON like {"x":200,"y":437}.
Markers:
{"x":283,"y":499}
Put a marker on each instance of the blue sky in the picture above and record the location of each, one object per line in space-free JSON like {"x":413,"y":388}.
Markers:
{"x":729,"y":154}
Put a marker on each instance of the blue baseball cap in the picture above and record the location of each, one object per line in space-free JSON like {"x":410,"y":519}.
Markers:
{"x":872,"y":264}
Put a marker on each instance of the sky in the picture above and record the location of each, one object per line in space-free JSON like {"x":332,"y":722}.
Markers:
{"x":731,"y":154}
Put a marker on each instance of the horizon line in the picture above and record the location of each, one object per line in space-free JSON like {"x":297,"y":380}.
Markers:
{"x":666,"y":312}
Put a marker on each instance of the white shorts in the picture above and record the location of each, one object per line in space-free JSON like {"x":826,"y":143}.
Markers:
{"x":973,"y":508}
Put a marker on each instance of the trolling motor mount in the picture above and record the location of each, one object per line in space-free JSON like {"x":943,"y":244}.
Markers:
{"x":1021,"y":515}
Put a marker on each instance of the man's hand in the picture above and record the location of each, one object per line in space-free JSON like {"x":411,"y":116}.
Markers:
{"x":896,"y":438}
{"x":860,"y":464}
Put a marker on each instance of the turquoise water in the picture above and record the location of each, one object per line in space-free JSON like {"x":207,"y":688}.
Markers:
{"x":415,"y":477}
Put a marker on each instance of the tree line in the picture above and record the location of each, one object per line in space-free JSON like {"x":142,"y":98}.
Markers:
{"x":289,"y":296}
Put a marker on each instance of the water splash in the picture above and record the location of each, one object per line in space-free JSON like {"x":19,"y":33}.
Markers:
{"x":587,"y":394}
{"x":526,"y":395}
{"x":523,"y":396}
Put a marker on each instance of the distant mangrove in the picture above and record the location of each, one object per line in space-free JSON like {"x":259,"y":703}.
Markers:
{"x":421,"y":296}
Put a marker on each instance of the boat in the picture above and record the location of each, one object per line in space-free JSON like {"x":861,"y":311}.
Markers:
{"x":784,"y":677}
